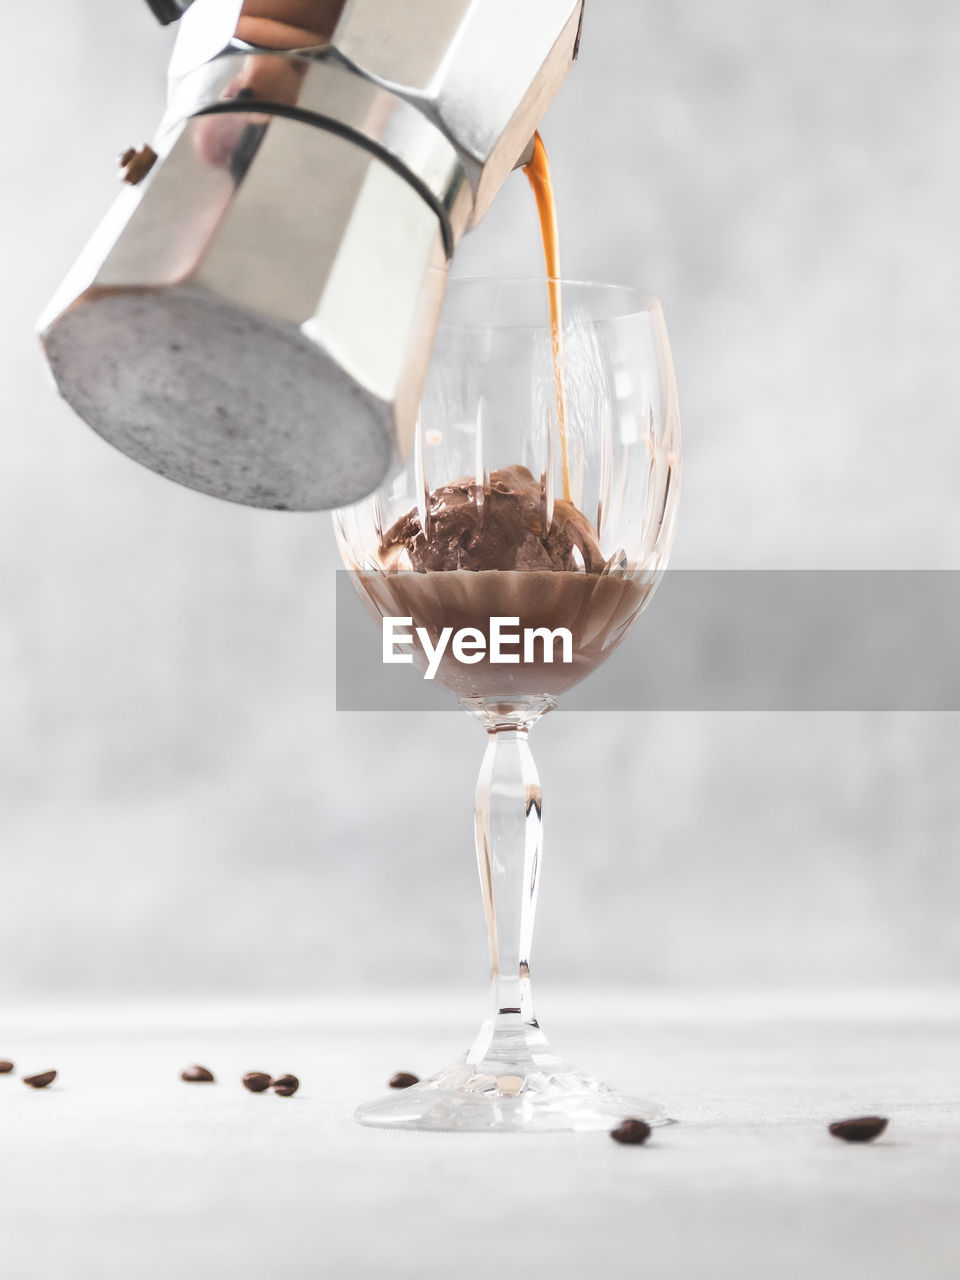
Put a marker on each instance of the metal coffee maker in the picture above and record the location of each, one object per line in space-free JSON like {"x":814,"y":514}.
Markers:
{"x":254,"y":317}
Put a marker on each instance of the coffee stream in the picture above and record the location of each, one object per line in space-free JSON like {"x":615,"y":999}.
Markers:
{"x":538,"y":175}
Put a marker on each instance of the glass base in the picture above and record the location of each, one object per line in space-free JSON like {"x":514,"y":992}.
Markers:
{"x":526,"y":1089}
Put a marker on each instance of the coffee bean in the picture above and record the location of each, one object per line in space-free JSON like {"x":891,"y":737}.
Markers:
{"x":403,"y":1080}
{"x":40,"y":1081}
{"x":196,"y":1075}
{"x":631,"y":1131}
{"x":861,"y":1129}
{"x":5,"y":1066}
{"x":286,"y":1086}
{"x":256,"y":1081}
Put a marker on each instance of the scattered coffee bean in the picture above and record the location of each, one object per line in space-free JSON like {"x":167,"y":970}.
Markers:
{"x":40,"y":1081}
{"x":861,"y":1129}
{"x":197,"y":1075}
{"x":633,"y":1132}
{"x":403,"y":1080}
{"x":5,"y":1066}
{"x":286,"y":1086}
{"x":256,"y":1081}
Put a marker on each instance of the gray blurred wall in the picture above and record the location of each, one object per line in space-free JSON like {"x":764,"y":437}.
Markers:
{"x":181,"y":807}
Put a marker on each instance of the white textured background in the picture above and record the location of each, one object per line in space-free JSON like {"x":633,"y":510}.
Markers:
{"x":182,"y":810}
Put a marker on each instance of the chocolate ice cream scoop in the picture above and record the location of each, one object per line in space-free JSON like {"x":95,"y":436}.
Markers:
{"x":504,"y":528}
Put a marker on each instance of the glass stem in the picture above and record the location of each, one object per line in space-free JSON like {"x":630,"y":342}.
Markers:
{"x":508,"y":834}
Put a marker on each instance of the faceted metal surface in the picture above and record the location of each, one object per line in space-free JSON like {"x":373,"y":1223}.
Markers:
{"x":320,"y":89}
{"x":269,"y":352}
{"x":255,"y":318}
{"x":485,"y":70}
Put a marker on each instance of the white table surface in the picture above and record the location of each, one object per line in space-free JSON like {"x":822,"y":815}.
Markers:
{"x":121,"y":1170}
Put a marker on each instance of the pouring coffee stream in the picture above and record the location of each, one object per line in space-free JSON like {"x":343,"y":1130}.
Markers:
{"x":537,"y":170}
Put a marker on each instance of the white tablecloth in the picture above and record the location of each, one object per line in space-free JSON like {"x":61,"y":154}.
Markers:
{"x":121,"y":1170}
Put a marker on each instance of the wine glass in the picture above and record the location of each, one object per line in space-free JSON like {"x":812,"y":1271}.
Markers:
{"x":541,"y":489}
